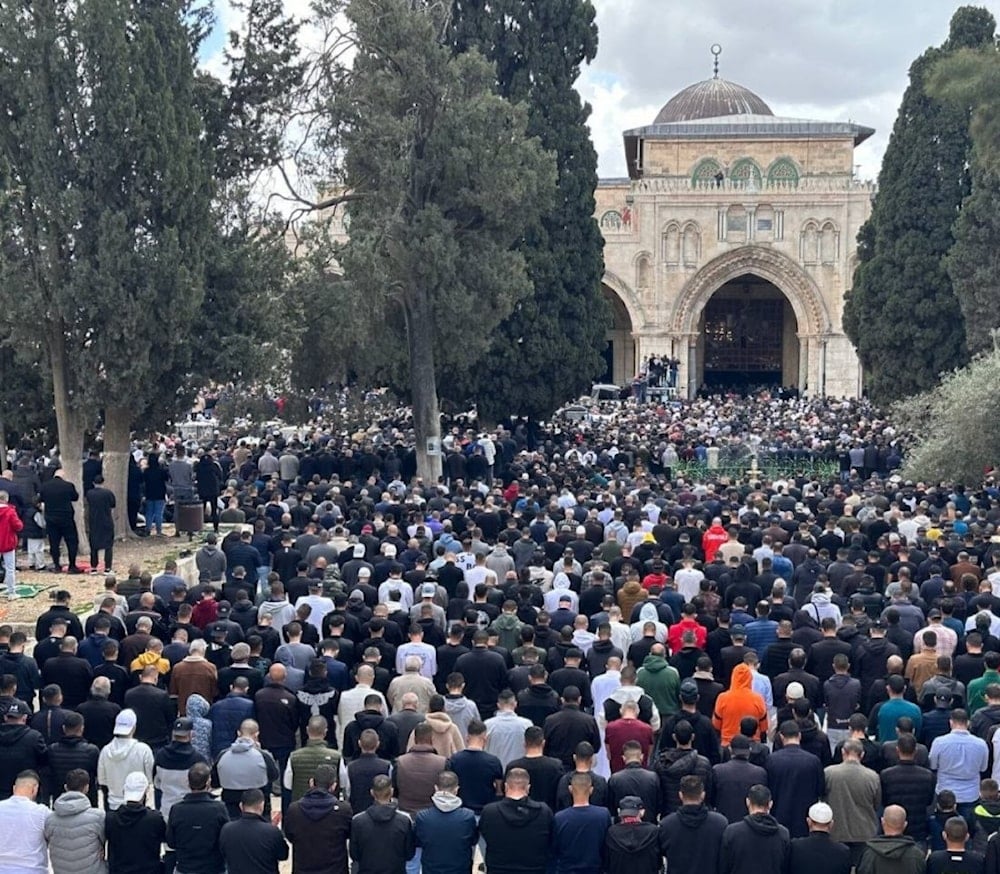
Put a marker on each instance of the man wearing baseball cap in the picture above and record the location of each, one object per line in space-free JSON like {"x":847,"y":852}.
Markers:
{"x":632,"y":844}
{"x":171,"y":764}
{"x":818,"y":853}
{"x":21,"y":748}
{"x":134,"y":831}
{"x":120,"y":758}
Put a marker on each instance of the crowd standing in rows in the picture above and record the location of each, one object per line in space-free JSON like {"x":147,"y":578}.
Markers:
{"x":563,"y":654}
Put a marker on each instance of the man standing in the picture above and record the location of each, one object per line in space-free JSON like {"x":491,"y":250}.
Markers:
{"x":244,"y":765}
{"x":101,"y":523}
{"x":819,"y":853}
{"x":22,"y":828}
{"x":134,"y":831}
{"x":955,"y":858}
{"x":251,"y":843}
{"x":414,"y":778}
{"x":318,"y":826}
{"x":632,"y":845}
{"x":479,"y":773}
{"x":10,"y":525}
{"x":959,"y":759}
{"x":691,"y":837}
{"x":58,"y":496}
{"x":516,"y":829}
{"x":195,"y":825}
{"x":892,"y":852}
{"x":21,"y":748}
{"x":485,"y":674}
{"x":731,"y":781}
{"x":446,"y":833}
{"x":171,"y":765}
{"x":758,"y":840}
{"x":123,"y":756}
{"x":579,"y":832}
{"x":795,"y":777}
{"x":75,"y":831}
{"x":854,"y":794}
{"x":569,"y":727}
{"x":382,"y":840}
{"x":505,"y":731}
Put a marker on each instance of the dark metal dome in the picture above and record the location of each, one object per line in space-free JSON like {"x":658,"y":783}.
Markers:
{"x":711,"y":99}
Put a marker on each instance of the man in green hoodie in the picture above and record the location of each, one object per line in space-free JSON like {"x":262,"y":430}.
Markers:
{"x":977,"y":688}
{"x":660,"y":681}
{"x":507,"y":626}
{"x":892,"y":852}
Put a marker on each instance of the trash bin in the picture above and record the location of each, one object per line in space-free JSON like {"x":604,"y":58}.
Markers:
{"x":190,"y":517}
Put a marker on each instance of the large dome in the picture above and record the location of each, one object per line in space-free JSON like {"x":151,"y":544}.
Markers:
{"x":710,"y":99}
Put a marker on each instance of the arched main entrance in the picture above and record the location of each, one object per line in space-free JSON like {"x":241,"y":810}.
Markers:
{"x":619,"y":352}
{"x":747,"y":337}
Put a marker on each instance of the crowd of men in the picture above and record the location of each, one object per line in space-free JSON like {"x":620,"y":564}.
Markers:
{"x":561,"y":656}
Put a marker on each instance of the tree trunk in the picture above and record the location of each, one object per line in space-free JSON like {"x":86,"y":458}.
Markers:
{"x":117,"y":432}
{"x":69,"y":422}
{"x":423,"y":385}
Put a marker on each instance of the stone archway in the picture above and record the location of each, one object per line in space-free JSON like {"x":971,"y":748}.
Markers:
{"x":812,"y":320}
{"x":619,"y":351}
{"x":800,"y":289}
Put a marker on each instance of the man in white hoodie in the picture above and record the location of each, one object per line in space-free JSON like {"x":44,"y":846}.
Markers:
{"x":120,"y":758}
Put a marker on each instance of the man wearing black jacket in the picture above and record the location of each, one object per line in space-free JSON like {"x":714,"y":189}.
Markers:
{"x":71,"y":751}
{"x":691,"y":837}
{"x":134,"y":831}
{"x":382,"y":840}
{"x":251,"y":844}
{"x":569,"y":727}
{"x":154,"y":709}
{"x":675,"y":764}
{"x":318,"y":826}
{"x":819,"y":853}
{"x":758,"y":839}
{"x":21,"y":748}
{"x":195,"y":825}
{"x":516,"y":829}
{"x":732,"y":780}
{"x":706,"y":741}
{"x":635,"y":781}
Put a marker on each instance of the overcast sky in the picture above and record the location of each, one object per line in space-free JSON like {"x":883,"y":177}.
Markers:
{"x":830,"y":60}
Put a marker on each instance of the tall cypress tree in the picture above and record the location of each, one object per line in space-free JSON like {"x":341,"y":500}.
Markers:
{"x":902,"y":313}
{"x":549,"y":348}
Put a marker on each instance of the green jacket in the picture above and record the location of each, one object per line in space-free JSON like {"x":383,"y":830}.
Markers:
{"x":508,"y":628}
{"x":304,"y":762}
{"x":977,"y":690}
{"x":661,"y":682}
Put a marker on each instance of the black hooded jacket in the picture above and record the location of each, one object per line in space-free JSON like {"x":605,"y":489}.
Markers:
{"x":758,"y":841}
{"x":21,"y":749}
{"x":671,"y":767}
{"x":134,"y":834}
{"x":382,"y":840}
{"x":633,"y":848}
{"x":318,"y":826}
{"x":517,"y":834}
{"x":691,"y":838}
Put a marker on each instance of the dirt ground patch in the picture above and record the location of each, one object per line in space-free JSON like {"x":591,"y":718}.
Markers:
{"x":149,"y":553}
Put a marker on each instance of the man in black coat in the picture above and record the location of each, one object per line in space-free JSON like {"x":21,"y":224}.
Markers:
{"x":382,"y":839}
{"x":195,"y":824}
{"x":732,"y":780}
{"x":819,"y":853}
{"x":58,"y":496}
{"x":568,"y":728}
{"x":154,"y":709}
{"x":758,"y":840}
{"x":99,"y":713}
{"x":318,"y":826}
{"x":517,"y":830}
{"x":59,"y":610}
{"x":70,"y":673}
{"x":72,"y":751}
{"x":691,"y":837}
{"x":485,"y":674}
{"x":21,"y":748}
{"x":675,"y":764}
{"x":910,"y":786}
{"x":795,"y":777}
{"x":635,"y":781}
{"x":100,"y":523}
{"x":252,"y":844}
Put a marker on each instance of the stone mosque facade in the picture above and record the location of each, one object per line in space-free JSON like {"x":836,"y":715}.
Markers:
{"x":731,"y":244}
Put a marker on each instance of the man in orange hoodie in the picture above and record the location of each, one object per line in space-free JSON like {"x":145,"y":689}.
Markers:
{"x":739,"y":701}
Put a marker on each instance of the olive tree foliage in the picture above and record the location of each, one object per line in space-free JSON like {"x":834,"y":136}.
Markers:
{"x":956,"y":422}
{"x":441,"y":178}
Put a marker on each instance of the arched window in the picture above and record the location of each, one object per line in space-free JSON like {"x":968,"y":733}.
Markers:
{"x":829,"y":243}
{"x":707,"y":172}
{"x":745,"y":171}
{"x":783,"y":172}
{"x":809,"y":243}
{"x":691,"y":245}
{"x":642,"y":273}
{"x":611,"y":220}
{"x":671,"y":244}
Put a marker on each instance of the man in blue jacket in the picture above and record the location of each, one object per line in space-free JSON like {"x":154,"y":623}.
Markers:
{"x":447,"y":832}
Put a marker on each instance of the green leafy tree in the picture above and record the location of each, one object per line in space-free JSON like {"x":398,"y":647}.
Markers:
{"x":549,"y":348}
{"x":973,"y":263}
{"x":902,"y":313}
{"x":958,"y":438}
{"x":444,"y":179}
{"x":129,"y":171}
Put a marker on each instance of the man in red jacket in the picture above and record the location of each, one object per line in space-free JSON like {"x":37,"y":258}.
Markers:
{"x":10,"y":525}
{"x":712,"y":539}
